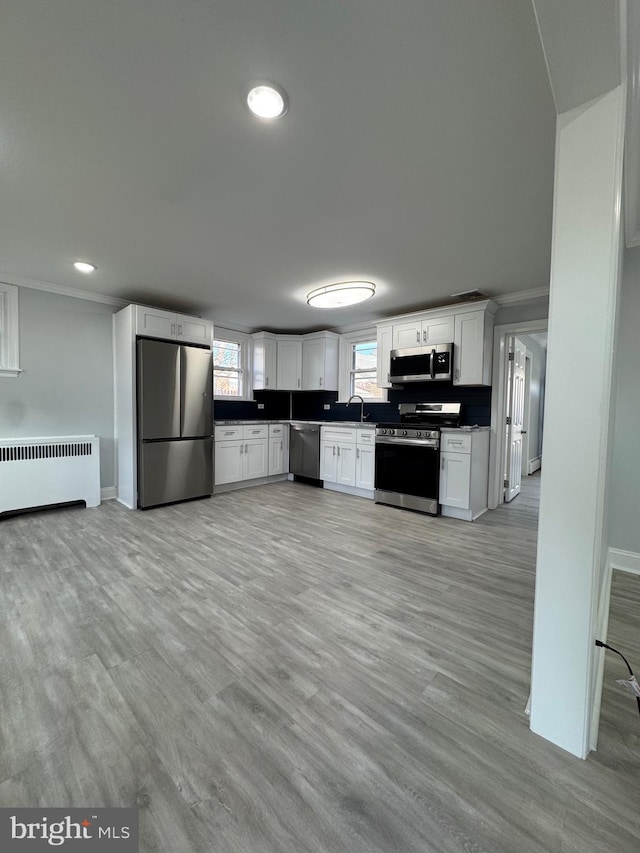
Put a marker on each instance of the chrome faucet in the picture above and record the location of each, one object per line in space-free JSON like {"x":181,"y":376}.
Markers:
{"x":362,"y":414}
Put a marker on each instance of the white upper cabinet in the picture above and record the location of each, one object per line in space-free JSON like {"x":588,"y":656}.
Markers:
{"x":469,"y":326}
{"x":418,"y":333}
{"x":320,"y":361}
{"x":289,"y":363}
{"x":265,"y":359}
{"x":155,"y":323}
{"x":385,"y":345}
{"x":472,"y":349}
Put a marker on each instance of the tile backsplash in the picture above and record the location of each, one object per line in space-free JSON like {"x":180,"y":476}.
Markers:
{"x":309,"y":405}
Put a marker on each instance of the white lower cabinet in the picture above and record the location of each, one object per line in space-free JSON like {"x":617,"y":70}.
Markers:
{"x":464,"y":473}
{"x":347,"y":458}
{"x":241,"y":453}
{"x":278,"y":449}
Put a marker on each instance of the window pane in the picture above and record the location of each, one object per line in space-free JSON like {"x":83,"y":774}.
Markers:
{"x":365,"y":355}
{"x":365,"y":384}
{"x":226,"y":384}
{"x":226,"y":354}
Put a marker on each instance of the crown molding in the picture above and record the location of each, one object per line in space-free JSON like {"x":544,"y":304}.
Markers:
{"x":521,"y":296}
{"x":63,"y":290}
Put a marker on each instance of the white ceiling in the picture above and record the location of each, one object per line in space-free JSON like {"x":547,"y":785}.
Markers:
{"x":417,"y":152}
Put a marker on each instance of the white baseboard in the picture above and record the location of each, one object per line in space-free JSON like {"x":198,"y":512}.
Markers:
{"x":109,"y":493}
{"x":534,"y":464}
{"x":624,"y":561}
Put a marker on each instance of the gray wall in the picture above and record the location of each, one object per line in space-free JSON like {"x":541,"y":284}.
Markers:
{"x":523,"y":312}
{"x":66,"y":384}
{"x":624,"y":496}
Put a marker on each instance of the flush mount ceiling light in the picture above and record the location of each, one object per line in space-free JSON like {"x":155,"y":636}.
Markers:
{"x":340,"y":294}
{"x":83,"y":266}
{"x":266,"y":100}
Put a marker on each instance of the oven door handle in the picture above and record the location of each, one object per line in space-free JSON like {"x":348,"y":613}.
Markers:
{"x":431,"y":444}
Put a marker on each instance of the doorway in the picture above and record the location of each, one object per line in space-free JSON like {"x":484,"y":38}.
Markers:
{"x":517,"y":407}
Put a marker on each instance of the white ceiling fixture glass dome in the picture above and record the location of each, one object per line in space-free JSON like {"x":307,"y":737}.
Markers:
{"x":267,"y":100}
{"x":85,"y":267}
{"x":340,"y":294}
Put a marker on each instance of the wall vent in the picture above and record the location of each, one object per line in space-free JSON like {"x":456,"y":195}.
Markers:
{"x":468,"y":295}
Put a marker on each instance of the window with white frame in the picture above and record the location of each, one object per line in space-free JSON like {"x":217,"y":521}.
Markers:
{"x":359,"y":367}
{"x":231,"y":365}
{"x":9,"y":361}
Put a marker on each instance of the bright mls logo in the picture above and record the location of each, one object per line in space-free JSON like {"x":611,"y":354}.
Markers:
{"x":79,"y":830}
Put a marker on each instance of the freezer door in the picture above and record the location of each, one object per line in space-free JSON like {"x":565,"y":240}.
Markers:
{"x":196,"y":388}
{"x":174,"y":471}
{"x":158,"y":389}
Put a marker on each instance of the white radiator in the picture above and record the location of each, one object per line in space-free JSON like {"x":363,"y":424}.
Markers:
{"x":43,"y":471}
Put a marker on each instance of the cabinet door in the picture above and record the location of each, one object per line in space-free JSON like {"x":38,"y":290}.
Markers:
{"x":385,"y":340}
{"x":365,"y":466}
{"x":407,"y":335}
{"x":455,"y":479}
{"x":228,"y":462}
{"x":313,"y":365}
{"x":328,"y":461}
{"x":153,"y":323}
{"x":276,"y":455}
{"x":289,"y":365}
{"x":346,"y":470}
{"x":468,"y":354}
{"x":438,"y":330}
{"x":264,"y":363}
{"x":194,"y":330}
{"x":254,"y":459}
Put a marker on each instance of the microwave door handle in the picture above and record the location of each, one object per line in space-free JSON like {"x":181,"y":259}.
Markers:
{"x":432,"y":361}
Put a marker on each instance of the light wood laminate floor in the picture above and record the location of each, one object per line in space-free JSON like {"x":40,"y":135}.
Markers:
{"x":284,"y":669}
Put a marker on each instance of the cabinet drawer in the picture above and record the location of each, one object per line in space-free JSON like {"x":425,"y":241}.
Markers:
{"x":454,"y":443}
{"x":330,"y":433}
{"x":366,"y":436}
{"x":257,"y":431}
{"x":276,"y":429}
{"x":230,"y":433}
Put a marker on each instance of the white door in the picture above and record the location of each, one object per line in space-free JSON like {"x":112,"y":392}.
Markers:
{"x":346,"y":473}
{"x":515,"y":417}
{"x":406,"y":335}
{"x":276,"y":454}
{"x":328,"y":461}
{"x":455,"y":479}
{"x":254,"y":459}
{"x":289,"y":364}
{"x":228,"y":462}
{"x":365,"y":467}
{"x":313,"y":364}
{"x":438,"y":330}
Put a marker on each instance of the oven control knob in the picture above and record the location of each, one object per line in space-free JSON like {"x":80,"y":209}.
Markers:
{"x":404,"y":432}
{"x":418,"y":433}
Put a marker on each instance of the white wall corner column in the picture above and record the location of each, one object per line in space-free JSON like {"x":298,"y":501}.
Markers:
{"x":572,"y":560}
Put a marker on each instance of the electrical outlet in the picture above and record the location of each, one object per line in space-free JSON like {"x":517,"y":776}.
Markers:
{"x":261,"y":405}
{"x":327,"y":406}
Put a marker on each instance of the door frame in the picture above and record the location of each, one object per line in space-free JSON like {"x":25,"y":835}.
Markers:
{"x":499,"y":401}
{"x":528,"y":366}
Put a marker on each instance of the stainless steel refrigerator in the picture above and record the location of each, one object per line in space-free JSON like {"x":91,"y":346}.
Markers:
{"x":175,"y":422}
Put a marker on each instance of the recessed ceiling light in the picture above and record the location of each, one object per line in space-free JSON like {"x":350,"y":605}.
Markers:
{"x":83,"y":266}
{"x":266,"y":100}
{"x":340,"y":294}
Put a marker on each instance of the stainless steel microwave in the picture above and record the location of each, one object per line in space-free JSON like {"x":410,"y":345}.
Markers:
{"x":421,"y":364}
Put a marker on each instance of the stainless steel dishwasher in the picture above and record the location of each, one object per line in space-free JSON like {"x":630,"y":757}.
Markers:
{"x":304,"y":451}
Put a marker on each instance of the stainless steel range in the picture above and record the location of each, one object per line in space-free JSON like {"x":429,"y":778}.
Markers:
{"x":408,"y":456}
